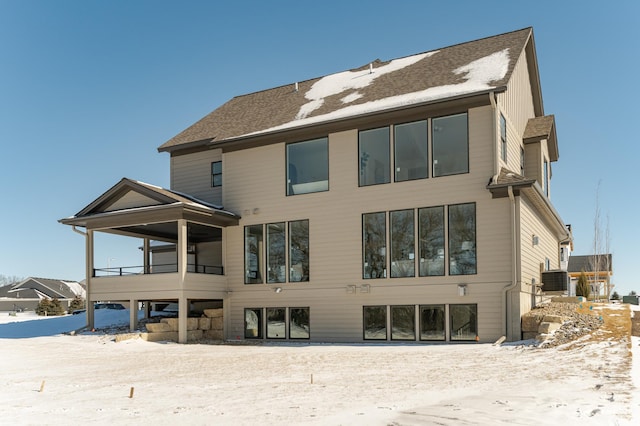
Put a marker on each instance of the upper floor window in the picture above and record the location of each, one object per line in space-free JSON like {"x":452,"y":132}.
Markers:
{"x":216,"y":173}
{"x":521,"y":161}
{"x":450,"y":145}
{"x":373,"y":146}
{"x":503,"y":138}
{"x":308,"y":166}
{"x":410,"y":150}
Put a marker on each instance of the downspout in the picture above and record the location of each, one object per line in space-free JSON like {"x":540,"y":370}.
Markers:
{"x":494,"y":110}
{"x":514,"y":269}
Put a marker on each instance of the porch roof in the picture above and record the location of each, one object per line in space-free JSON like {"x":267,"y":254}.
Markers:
{"x":134,"y":207}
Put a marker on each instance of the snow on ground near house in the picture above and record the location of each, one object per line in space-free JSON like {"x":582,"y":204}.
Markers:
{"x":88,"y":378}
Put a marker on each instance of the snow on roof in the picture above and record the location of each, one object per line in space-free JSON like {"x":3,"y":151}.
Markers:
{"x":335,"y":84}
{"x":477,"y":74}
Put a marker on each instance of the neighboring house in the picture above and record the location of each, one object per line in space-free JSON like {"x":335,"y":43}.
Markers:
{"x":598,"y":269}
{"x":404,"y":200}
{"x":26,"y":294}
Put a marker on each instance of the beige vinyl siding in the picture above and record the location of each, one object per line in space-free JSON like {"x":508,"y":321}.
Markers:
{"x":517,"y":101}
{"x":255,"y":188}
{"x":516,"y":104}
{"x":191,"y":174}
{"x":533,"y":256}
{"x":131,"y":199}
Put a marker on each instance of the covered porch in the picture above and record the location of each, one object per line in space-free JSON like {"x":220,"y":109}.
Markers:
{"x":182,"y":250}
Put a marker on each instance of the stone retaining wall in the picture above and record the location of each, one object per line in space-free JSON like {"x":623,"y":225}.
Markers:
{"x":210,"y":326}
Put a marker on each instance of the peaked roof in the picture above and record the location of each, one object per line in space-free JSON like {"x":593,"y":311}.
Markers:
{"x":34,"y":288}
{"x":451,"y":72}
{"x":137,"y":200}
{"x":539,"y":128}
{"x":586,"y":263}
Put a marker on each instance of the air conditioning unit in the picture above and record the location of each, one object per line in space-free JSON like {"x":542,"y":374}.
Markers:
{"x":555,"y":281}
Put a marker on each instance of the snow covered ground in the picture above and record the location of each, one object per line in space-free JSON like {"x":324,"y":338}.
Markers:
{"x":49,"y":378}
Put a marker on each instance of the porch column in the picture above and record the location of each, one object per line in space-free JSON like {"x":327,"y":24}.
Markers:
{"x":183,"y":311}
{"x":89,"y":273}
{"x":133,"y":314}
{"x":146,"y":255}
{"x":183,"y":308}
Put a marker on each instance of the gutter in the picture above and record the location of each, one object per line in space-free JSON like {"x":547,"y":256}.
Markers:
{"x":494,"y":110}
{"x":514,"y":270}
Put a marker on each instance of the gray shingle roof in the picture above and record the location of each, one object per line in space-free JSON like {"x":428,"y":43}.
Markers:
{"x":33,"y":288}
{"x":434,"y":75}
{"x":584,"y":263}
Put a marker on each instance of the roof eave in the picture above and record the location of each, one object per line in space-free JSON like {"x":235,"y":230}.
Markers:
{"x":238,"y":140}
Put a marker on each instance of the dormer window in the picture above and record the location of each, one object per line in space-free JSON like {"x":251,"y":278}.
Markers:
{"x":216,"y":174}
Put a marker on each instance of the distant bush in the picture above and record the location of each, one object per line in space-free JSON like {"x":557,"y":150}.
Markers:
{"x":76,"y":304}
{"x":582,"y":287}
{"x":49,"y":307}
{"x":615,"y":296}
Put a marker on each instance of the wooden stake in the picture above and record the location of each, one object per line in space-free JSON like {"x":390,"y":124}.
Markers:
{"x":42,"y":386}
{"x":312,"y":379}
{"x":131,"y":392}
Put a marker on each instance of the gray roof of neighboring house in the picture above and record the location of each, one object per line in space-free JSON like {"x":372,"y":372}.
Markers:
{"x":460,"y":70}
{"x":585,"y":263}
{"x":34,"y":287}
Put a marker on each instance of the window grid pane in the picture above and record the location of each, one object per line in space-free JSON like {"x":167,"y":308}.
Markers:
{"x":432,"y":322}
{"x":403,"y":262}
{"x":299,"y":323}
{"x":374,"y":322}
{"x":374,"y":245}
{"x":253,"y":252}
{"x":308,"y":166}
{"x":410,"y":151}
{"x":276,"y":253}
{"x":462,"y":239}
{"x":464,"y":322}
{"x":403,"y":322}
{"x":299,"y":251}
{"x":431,"y":237}
{"x":450,"y":145}
{"x":276,"y":328}
{"x":253,"y":323}
{"x":374,"y":156}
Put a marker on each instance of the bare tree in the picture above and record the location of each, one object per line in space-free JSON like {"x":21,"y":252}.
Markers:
{"x":7,"y":279}
{"x":594,"y":260}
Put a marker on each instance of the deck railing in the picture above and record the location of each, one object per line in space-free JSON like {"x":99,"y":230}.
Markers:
{"x":121,"y":271}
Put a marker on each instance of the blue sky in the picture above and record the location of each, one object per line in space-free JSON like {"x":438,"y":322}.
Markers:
{"x":90,"y":89}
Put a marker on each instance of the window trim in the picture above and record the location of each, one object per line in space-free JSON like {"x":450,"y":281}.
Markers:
{"x":386,"y":327}
{"x":289,"y":322}
{"x":284,"y":322}
{"x":444,"y":324}
{"x":289,"y":193}
{"x":475,"y":237}
{"x":390,"y":313}
{"x":452,"y":305}
{"x":385,"y":270}
{"x":389,"y":157}
{"x":395,"y":151}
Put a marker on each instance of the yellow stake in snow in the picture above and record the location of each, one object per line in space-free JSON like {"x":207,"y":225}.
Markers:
{"x":42,"y":386}
{"x":131,"y":392}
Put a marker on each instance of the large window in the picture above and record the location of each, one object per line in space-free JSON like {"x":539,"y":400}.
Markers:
{"x":402,"y":244}
{"x":431,"y":237}
{"x":374,"y":156}
{"x":374,"y":322}
{"x":253,"y":323}
{"x":253,"y":253}
{"x":276,"y":253}
{"x":503,"y":138}
{"x":464,"y":322}
{"x":299,"y":323}
{"x":374,"y":245}
{"x":410,"y":151}
{"x":280,"y":237}
{"x":308,"y":166}
{"x":403,"y":322}
{"x":276,"y":323}
{"x":450,"y":145}
{"x":216,"y":173}
{"x":432,"y":322}
{"x":299,"y":251}
{"x":462,"y":239}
